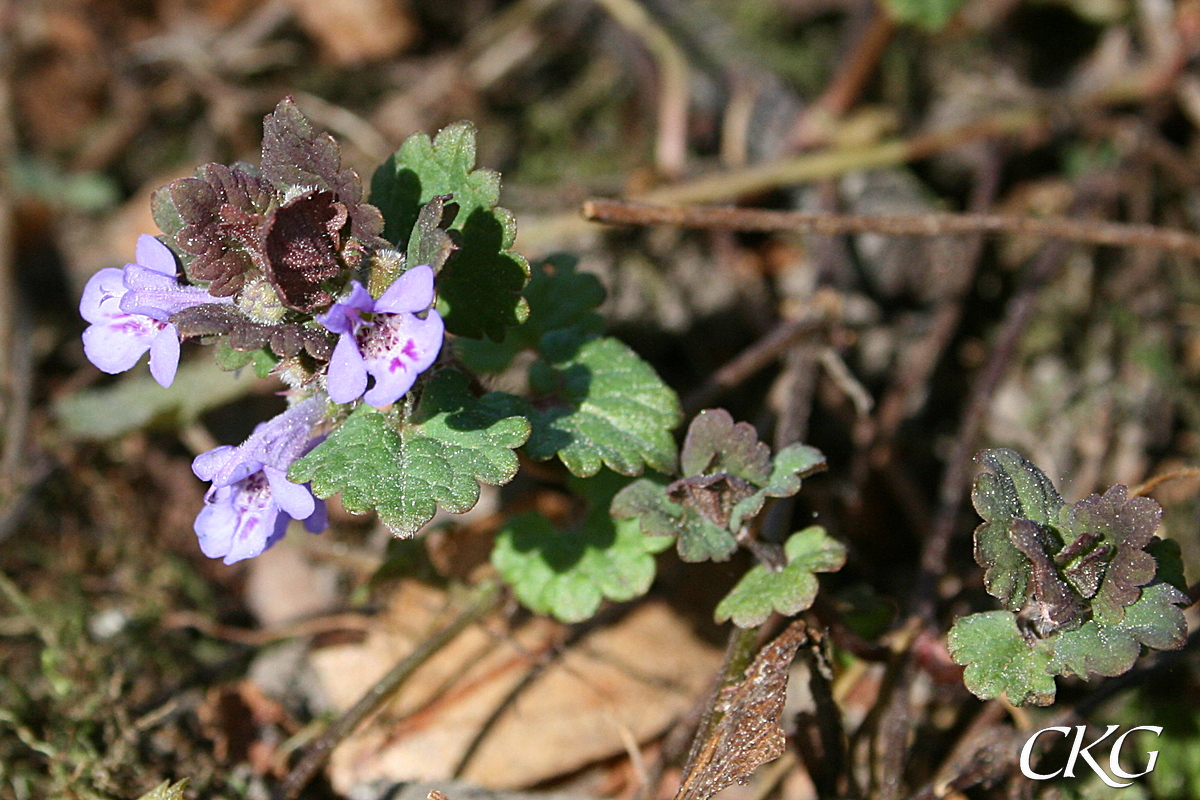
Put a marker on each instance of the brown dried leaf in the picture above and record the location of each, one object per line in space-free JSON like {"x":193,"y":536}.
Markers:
{"x":748,"y":733}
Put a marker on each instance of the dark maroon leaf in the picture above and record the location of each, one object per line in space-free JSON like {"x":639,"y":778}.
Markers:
{"x":301,"y":243}
{"x":1127,"y":525}
{"x":295,"y":155}
{"x":714,"y":496}
{"x":247,"y":336}
{"x":1051,"y":605}
{"x":716,"y":444}
{"x":215,"y":223}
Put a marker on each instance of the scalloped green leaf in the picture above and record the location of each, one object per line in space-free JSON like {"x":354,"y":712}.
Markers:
{"x":788,"y":591}
{"x":698,"y":539}
{"x":405,"y":469}
{"x":479,"y":287}
{"x":791,"y":464}
{"x":166,"y":791}
{"x":602,"y":405}
{"x":1013,"y":489}
{"x":999,"y":660}
{"x":566,"y":572}
{"x":1155,"y":620}
{"x":559,"y":297}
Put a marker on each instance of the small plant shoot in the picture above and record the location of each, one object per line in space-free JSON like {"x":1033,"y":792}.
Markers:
{"x":1084,"y":585}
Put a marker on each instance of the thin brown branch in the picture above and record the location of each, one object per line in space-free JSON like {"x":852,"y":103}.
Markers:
{"x":758,"y":355}
{"x":671,"y":140}
{"x":1095,"y":232}
{"x":847,"y":85}
{"x":1149,"y":485}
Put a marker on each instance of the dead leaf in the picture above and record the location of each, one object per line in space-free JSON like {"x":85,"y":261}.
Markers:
{"x":747,"y":733}
{"x":583,"y":707}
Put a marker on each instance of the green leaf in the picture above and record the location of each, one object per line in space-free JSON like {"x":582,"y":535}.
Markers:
{"x":728,"y":474}
{"x":932,"y":15}
{"x":166,"y":791}
{"x":1155,"y":620}
{"x":1000,"y":660}
{"x":1013,"y":489}
{"x":559,"y":298}
{"x":791,"y":464}
{"x":405,"y":469}
{"x":479,"y":288}
{"x":262,"y":361}
{"x":605,"y":406}
{"x":789,"y":590}
{"x":566,"y":572}
{"x":1169,"y":558}
{"x":699,"y":539}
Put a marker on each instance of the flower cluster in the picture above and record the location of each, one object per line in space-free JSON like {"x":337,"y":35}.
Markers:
{"x":251,"y":501}
{"x":273,"y":263}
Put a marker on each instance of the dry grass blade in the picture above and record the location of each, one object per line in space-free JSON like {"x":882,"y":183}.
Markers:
{"x":747,"y":733}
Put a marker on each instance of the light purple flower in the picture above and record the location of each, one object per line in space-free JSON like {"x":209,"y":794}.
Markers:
{"x":394,"y":346}
{"x":129,"y":311}
{"x":251,"y":501}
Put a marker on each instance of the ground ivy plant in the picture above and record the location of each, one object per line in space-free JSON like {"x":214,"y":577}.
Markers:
{"x":1084,"y":585}
{"x":385,"y":318}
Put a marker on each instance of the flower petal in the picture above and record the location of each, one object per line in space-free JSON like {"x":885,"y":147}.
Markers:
{"x":411,"y":292}
{"x":159,"y":296}
{"x":295,"y":499}
{"x":164,"y":355}
{"x":102,"y":295}
{"x":115,"y":344}
{"x":238,"y":521}
{"x":153,"y":254}
{"x":397,"y":351}
{"x":347,"y":377}
{"x":319,"y":519}
{"x":344,"y":315}
{"x":208,"y":465}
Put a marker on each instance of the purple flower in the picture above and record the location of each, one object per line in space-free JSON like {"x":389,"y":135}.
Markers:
{"x":129,"y":311}
{"x":394,"y":346}
{"x":251,"y":501}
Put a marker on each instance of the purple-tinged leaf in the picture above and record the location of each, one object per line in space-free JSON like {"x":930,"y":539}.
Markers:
{"x":1013,"y":489}
{"x":302,"y":239}
{"x":295,"y":155}
{"x":1127,"y":525}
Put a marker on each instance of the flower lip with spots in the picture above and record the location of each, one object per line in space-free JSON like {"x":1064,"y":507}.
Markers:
{"x":129,"y":311}
{"x":394,"y":346}
{"x":251,"y":501}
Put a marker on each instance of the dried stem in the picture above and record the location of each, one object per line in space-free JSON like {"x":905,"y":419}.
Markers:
{"x":758,"y":355}
{"x":848,"y":84}
{"x":484,"y":600}
{"x":620,"y":212}
{"x":671,"y":142}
